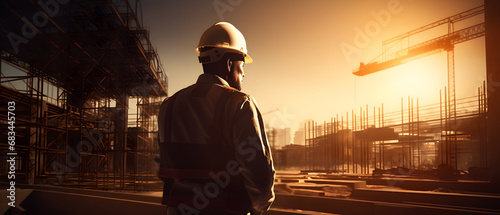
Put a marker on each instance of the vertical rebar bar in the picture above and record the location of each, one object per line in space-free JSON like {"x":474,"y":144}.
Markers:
{"x":336,"y":152}
{"x":438,"y":150}
{"x":410,"y":133}
{"x":402,"y":132}
{"x":325,"y":155}
{"x":342,"y":143}
{"x":447,"y":121}
{"x":418,"y":138}
{"x":305,"y":146}
{"x":354,"y":143}
{"x":383,"y":143}
{"x":367,"y":148}
{"x":361,"y":157}
{"x":347,"y":141}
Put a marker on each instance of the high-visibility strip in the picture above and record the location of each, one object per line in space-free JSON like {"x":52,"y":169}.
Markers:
{"x":185,"y":173}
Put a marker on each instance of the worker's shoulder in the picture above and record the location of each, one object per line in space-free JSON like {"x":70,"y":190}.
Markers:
{"x":176,"y":94}
{"x":186,"y":91}
{"x":234,"y":92}
{"x":240,"y":98}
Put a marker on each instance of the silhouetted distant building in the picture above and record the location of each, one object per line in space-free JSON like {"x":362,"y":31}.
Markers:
{"x":282,"y":137}
{"x":299,"y":136}
{"x":289,"y":157}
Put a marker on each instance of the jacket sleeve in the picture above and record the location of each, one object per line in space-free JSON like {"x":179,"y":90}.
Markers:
{"x":161,"y":125}
{"x":254,"y":155}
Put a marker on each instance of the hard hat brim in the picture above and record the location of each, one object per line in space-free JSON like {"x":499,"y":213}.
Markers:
{"x":226,"y":38}
{"x":247,"y":57}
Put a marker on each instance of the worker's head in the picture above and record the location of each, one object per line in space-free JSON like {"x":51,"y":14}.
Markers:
{"x":223,"y":52}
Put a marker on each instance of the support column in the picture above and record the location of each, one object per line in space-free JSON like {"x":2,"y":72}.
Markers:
{"x":451,"y":135}
{"x":493,"y":83}
{"x":120,"y":145}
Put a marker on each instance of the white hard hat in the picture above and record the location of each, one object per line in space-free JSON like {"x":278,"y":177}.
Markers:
{"x":223,"y":37}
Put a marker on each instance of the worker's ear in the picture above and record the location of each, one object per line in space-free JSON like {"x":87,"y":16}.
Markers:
{"x":229,"y":63}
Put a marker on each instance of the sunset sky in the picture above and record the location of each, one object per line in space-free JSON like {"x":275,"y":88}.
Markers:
{"x":299,"y":65}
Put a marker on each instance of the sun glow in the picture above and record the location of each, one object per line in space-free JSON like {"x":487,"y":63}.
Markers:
{"x":422,"y":79}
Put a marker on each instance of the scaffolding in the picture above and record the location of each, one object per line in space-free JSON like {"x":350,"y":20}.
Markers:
{"x":413,"y":138}
{"x":78,"y":71}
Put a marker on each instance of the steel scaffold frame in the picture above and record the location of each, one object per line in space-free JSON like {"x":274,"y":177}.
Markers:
{"x":99,"y":55}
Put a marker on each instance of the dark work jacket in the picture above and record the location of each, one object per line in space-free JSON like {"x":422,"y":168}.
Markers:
{"x":213,"y":150}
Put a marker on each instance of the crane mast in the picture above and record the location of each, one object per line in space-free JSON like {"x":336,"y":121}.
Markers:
{"x":442,"y":43}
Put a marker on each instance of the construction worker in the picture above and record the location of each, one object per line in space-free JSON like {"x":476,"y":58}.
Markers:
{"x":213,"y":151}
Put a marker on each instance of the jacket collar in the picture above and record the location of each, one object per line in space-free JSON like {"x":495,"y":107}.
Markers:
{"x":211,"y":78}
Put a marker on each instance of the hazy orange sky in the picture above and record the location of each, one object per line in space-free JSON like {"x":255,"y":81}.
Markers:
{"x":299,"y":66}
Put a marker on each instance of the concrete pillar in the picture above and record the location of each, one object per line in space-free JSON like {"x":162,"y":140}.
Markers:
{"x":492,"y":38}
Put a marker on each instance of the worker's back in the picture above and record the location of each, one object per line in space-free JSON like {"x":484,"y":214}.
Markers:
{"x":208,"y":131}
{"x":213,"y":151}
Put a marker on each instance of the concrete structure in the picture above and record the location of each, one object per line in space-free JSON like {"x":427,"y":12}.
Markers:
{"x":492,"y":18}
{"x":72,"y":73}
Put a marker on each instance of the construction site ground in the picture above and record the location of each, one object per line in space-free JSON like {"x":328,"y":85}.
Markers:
{"x":296,"y":193}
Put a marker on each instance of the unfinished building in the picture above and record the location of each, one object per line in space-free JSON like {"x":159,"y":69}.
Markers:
{"x":85,"y":84}
{"x":450,"y":136}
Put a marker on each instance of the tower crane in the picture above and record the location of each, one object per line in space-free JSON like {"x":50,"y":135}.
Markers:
{"x":446,"y":43}
{"x":271,"y":111}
